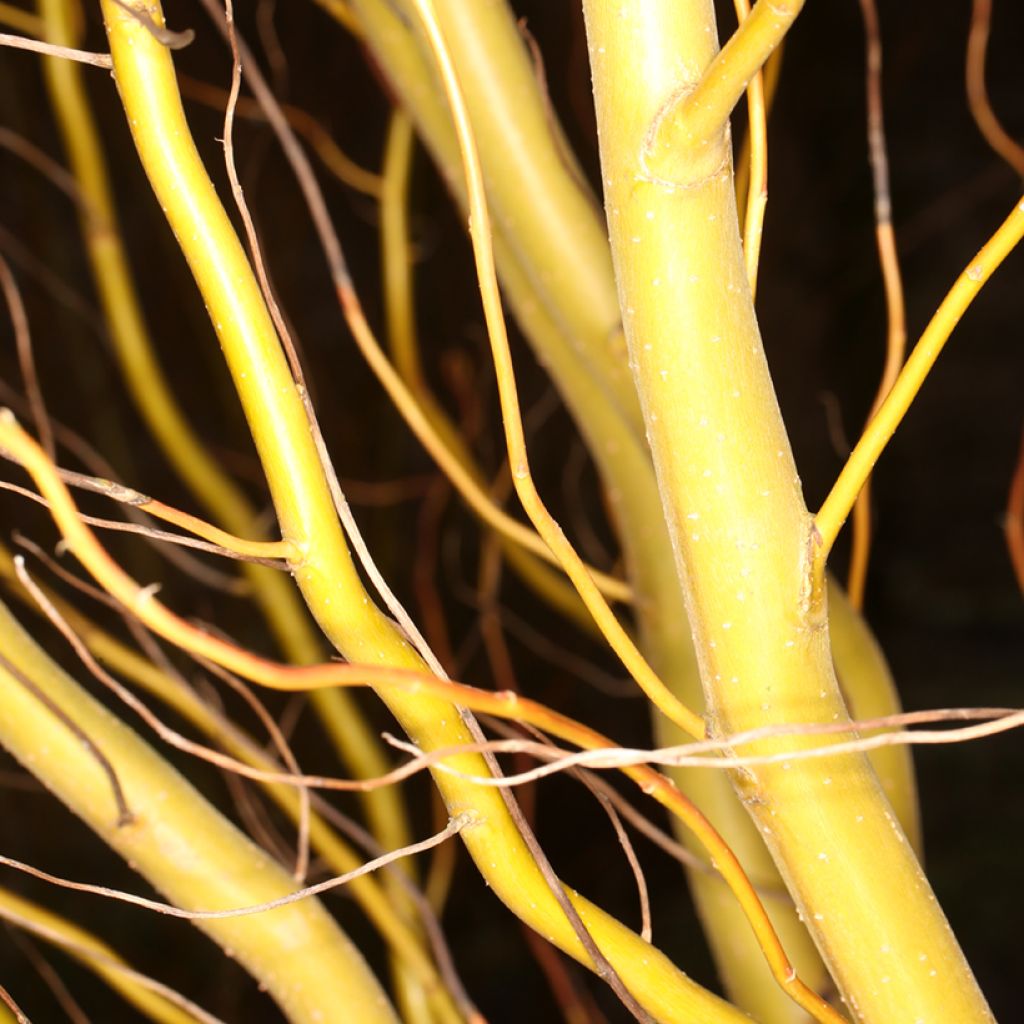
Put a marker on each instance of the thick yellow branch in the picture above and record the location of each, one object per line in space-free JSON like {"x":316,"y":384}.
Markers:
{"x":180,"y":842}
{"x":743,"y":536}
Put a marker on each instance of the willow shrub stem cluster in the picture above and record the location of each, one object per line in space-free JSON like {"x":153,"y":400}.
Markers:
{"x":654,"y":346}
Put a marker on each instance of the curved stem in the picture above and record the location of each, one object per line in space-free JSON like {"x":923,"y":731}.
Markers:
{"x":841,"y":498}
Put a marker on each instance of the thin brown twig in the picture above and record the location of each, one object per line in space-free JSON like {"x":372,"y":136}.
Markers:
{"x":627,"y":848}
{"x":266,"y":29}
{"x":896,"y":327}
{"x":456,"y":825}
{"x":26,"y":357}
{"x":23,"y":258}
{"x":702,"y":754}
{"x":91,"y":591}
{"x":977,"y":92}
{"x":287,"y":756}
{"x":50,"y":978}
{"x":124,"y":814}
{"x":97,"y":60}
{"x":151,"y":532}
{"x":331,"y":155}
{"x":55,"y":173}
{"x":98,"y":959}
{"x":1013,"y":521}
{"x":8,"y":1000}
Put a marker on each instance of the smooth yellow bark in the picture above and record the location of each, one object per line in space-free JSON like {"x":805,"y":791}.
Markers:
{"x":742,"y":534}
{"x":180,"y":843}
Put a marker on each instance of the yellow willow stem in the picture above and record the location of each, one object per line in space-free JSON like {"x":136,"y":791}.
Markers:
{"x":399,"y":304}
{"x":743,"y":536}
{"x":770,"y":75}
{"x":837,"y":505}
{"x":141,"y":992}
{"x":365,"y":891}
{"x":757,"y":190}
{"x":686,"y":138}
{"x":326,"y":575}
{"x":273,"y":592}
{"x":506,"y":103}
{"x":553,"y":248}
{"x":394,"y":684}
{"x":415,"y":416}
{"x":635,"y":663}
{"x":179,"y":842}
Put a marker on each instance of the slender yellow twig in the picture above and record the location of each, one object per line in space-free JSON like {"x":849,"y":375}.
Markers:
{"x":515,"y":438}
{"x":688,"y":133}
{"x":771,"y":73}
{"x":841,"y":498}
{"x":399,"y":304}
{"x":757,"y":186}
{"x":153,"y":534}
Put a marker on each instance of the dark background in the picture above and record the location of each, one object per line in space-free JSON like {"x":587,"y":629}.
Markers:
{"x":941,"y":595}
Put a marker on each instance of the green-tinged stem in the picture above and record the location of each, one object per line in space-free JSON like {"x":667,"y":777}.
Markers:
{"x":741,"y":531}
{"x":179,"y":842}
